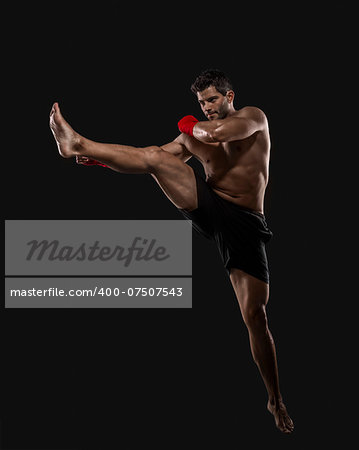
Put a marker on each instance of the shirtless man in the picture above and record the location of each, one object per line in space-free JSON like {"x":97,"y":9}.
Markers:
{"x":233,"y":147}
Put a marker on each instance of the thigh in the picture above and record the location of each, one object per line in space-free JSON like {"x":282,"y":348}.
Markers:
{"x":176,"y":179}
{"x":252,"y":294}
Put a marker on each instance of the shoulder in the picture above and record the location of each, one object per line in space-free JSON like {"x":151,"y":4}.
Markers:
{"x":253,"y":113}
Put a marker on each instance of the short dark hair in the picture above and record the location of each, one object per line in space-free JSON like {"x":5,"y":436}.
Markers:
{"x":212,"y":77}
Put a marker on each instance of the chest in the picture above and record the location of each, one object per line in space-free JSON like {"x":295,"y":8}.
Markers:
{"x":219,"y":157}
{"x":217,"y":152}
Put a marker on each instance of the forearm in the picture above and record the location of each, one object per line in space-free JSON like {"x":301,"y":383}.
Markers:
{"x":224,"y":130}
{"x":206,"y":131}
{"x":203,"y":131}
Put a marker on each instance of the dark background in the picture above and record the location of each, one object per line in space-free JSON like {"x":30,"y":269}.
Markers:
{"x":129,"y":379}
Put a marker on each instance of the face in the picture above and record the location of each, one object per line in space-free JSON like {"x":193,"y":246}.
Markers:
{"x":215,"y":105}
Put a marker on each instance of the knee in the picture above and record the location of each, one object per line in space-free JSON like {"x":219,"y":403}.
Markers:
{"x":255,"y":317}
{"x":154,"y":157}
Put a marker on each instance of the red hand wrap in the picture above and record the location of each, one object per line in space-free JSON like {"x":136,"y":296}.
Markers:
{"x":93,"y":162}
{"x":186,"y":125}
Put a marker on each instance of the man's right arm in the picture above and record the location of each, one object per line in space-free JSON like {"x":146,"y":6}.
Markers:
{"x":178,"y":149}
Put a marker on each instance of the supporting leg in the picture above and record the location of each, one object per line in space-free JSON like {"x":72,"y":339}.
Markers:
{"x":252,"y":295}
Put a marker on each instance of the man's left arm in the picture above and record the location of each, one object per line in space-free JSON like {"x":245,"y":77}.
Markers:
{"x":232,"y":128}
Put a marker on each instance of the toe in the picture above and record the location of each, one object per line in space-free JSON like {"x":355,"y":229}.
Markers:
{"x":289,"y":427}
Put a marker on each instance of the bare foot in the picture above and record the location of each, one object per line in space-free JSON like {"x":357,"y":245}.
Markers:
{"x":281,"y":417}
{"x":68,"y":141}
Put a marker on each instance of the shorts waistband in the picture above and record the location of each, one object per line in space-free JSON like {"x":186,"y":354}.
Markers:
{"x":243,"y":208}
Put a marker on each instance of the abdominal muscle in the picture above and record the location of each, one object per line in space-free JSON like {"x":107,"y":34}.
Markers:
{"x":240,"y":186}
{"x":236,"y":171}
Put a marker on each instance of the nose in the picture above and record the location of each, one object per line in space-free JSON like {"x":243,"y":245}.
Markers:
{"x":207,"y":107}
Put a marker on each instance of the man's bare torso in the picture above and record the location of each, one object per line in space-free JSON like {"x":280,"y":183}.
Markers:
{"x":238,"y":170}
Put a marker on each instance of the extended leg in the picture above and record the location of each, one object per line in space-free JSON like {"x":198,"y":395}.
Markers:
{"x":252,"y":295}
{"x":175,"y":177}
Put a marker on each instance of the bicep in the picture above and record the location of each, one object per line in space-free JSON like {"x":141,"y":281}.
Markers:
{"x":178,"y":149}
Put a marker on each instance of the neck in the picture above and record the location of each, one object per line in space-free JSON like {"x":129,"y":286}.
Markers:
{"x":231,"y":111}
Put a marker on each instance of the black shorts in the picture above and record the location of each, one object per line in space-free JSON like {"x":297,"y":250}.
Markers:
{"x":240,"y":233}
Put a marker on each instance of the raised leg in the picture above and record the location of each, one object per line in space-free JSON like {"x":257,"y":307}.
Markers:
{"x":252,"y":295}
{"x":175,"y":178}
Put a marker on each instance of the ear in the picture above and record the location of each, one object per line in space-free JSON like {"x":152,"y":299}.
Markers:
{"x":230,"y":96}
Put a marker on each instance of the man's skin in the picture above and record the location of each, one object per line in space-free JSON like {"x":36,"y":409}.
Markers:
{"x":233,"y":147}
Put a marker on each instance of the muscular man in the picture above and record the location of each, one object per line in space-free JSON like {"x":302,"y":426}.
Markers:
{"x":233,"y":147}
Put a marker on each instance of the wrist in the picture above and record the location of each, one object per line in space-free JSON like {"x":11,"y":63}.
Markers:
{"x":186,"y":125}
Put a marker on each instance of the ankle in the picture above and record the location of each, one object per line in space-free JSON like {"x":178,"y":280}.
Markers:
{"x":79,"y":145}
{"x":275,"y":401}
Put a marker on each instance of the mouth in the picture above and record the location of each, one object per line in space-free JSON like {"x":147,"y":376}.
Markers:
{"x":211,"y":114}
